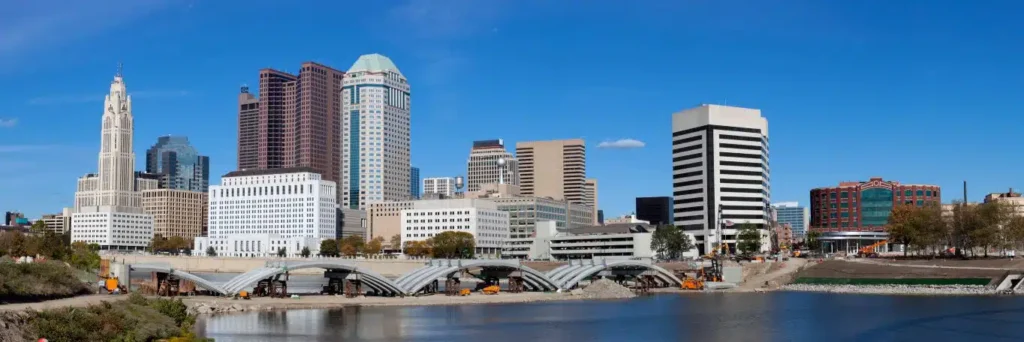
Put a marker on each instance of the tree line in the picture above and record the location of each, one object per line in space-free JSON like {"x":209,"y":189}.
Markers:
{"x":966,"y":228}
{"x":50,"y":245}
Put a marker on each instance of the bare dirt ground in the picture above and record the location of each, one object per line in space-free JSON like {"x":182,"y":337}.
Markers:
{"x":775,"y":274}
{"x":79,"y":301}
{"x":888,"y":269}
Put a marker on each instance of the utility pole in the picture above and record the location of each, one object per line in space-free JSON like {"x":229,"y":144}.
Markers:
{"x":956,"y":239}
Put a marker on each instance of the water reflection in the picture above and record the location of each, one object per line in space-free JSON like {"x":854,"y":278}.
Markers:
{"x":707,"y":317}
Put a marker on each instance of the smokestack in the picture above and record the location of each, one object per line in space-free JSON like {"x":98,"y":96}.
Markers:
{"x":965,"y":192}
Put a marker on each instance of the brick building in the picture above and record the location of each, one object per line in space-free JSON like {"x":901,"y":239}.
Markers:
{"x":865,"y":206}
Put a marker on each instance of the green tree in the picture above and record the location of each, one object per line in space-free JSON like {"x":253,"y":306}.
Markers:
{"x":38,"y":227}
{"x":13,"y":243}
{"x":903,"y":227}
{"x":453,"y":245}
{"x":52,"y":246}
{"x":328,"y":248}
{"x":84,"y":256}
{"x":349,"y":250}
{"x":811,"y":240}
{"x":748,"y":239}
{"x":211,"y":252}
{"x":670,"y":242}
{"x":305,"y":252}
{"x":281,"y":252}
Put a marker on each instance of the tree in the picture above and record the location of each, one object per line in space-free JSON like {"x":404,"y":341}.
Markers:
{"x":396,"y":242}
{"x":38,"y":227}
{"x":211,"y":252}
{"x":84,"y":256}
{"x":811,"y":240}
{"x":12,"y":243}
{"x":374,"y":246}
{"x":282,"y":252}
{"x":748,"y":240}
{"x":52,"y":246}
{"x":416,"y":248}
{"x":349,"y":250}
{"x":328,"y":248}
{"x":453,"y":245}
{"x":305,"y":252}
{"x":1014,"y":232}
{"x":355,"y":241}
{"x":670,"y":242}
{"x":902,"y":227}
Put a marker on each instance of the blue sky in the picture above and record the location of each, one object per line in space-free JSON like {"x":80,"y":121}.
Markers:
{"x":915,"y":91}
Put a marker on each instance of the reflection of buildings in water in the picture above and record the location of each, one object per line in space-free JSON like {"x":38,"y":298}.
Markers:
{"x":288,"y":323}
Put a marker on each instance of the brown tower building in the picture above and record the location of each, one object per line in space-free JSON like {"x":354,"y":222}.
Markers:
{"x":555,"y":168}
{"x":296,"y":122}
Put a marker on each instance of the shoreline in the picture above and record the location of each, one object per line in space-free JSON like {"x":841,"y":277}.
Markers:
{"x":897,"y":290}
{"x":219,"y":305}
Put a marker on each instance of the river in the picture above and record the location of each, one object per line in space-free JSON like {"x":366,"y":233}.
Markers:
{"x":777,"y":316}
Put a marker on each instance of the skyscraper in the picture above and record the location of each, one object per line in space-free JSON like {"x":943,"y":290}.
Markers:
{"x":482,"y":166}
{"x":798,"y":218}
{"x":444,"y":186}
{"x":414,"y":183}
{"x":656,"y":210}
{"x":719,"y":172}
{"x":295,"y":122}
{"x":178,"y":164}
{"x":376,"y":133}
{"x":555,"y":168}
{"x":112,"y":197}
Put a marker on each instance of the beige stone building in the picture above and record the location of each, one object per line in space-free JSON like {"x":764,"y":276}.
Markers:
{"x":1013,"y":199}
{"x":176,"y":212}
{"x":590,"y":196}
{"x":384,"y":219}
{"x":554,"y":168}
{"x":483,"y":166}
{"x":58,"y":223}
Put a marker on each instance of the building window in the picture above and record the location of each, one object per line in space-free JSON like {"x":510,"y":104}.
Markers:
{"x":907,"y":193}
{"x":920,"y":193}
{"x":928,"y":193}
{"x":832,"y":195}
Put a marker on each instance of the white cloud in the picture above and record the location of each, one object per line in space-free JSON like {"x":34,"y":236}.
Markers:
{"x":622,"y":143}
{"x":8,"y":123}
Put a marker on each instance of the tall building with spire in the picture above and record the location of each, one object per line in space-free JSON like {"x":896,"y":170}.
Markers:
{"x":483,"y":166}
{"x":375,"y":133}
{"x":113,"y":194}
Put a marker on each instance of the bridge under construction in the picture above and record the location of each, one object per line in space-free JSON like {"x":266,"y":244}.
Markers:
{"x":345,"y":277}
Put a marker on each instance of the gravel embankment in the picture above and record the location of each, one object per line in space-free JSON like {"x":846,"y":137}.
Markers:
{"x":605,"y":289}
{"x":937,"y":290}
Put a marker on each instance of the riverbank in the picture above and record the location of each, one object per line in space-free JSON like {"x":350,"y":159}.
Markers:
{"x":929,"y":290}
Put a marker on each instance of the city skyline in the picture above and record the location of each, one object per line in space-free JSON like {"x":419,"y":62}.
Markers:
{"x":483,"y":67}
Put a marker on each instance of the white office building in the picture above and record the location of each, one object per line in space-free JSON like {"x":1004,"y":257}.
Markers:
{"x":256,"y":213}
{"x":375,"y":134}
{"x":444,"y":186}
{"x":108,"y":204}
{"x":720,"y":172}
{"x":620,"y":240}
{"x":479,"y":217}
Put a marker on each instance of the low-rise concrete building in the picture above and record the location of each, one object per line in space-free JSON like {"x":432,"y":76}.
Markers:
{"x":58,"y":223}
{"x":632,"y":240}
{"x":256,"y":246}
{"x":1010,"y":198}
{"x":480,"y":218}
{"x":631,"y":218}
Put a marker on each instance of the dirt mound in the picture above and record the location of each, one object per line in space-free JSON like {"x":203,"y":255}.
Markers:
{"x":607,"y":289}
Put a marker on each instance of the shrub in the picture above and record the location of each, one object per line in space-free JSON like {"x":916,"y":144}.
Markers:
{"x":40,"y":280}
{"x":135,"y":319}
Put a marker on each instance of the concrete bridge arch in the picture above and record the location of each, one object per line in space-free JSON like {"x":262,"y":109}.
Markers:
{"x":416,"y":280}
{"x":569,"y":276}
{"x":200,"y":282}
{"x":371,"y":279}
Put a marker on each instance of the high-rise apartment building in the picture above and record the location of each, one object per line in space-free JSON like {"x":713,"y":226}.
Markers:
{"x":178,"y":164}
{"x":176,"y":212}
{"x":295,"y":122}
{"x":791,"y":213}
{"x":414,"y":183}
{"x":720,"y":172}
{"x":444,"y":186}
{"x":590,"y":196}
{"x":375,"y":133}
{"x":108,"y":204}
{"x":555,"y":168}
{"x":483,"y":166}
{"x":656,"y":210}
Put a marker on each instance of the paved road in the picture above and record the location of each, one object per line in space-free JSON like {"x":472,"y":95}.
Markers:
{"x":79,"y":301}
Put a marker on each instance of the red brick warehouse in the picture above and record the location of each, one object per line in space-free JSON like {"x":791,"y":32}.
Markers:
{"x":865,"y":206}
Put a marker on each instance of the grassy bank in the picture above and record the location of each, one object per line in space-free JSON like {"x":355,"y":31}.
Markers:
{"x":892,"y":281}
{"x":31,"y":282}
{"x":136,"y":319}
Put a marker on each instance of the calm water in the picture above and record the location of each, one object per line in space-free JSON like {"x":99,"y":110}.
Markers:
{"x":705,"y":317}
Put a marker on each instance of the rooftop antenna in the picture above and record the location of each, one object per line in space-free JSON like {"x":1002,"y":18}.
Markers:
{"x":119,"y":68}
